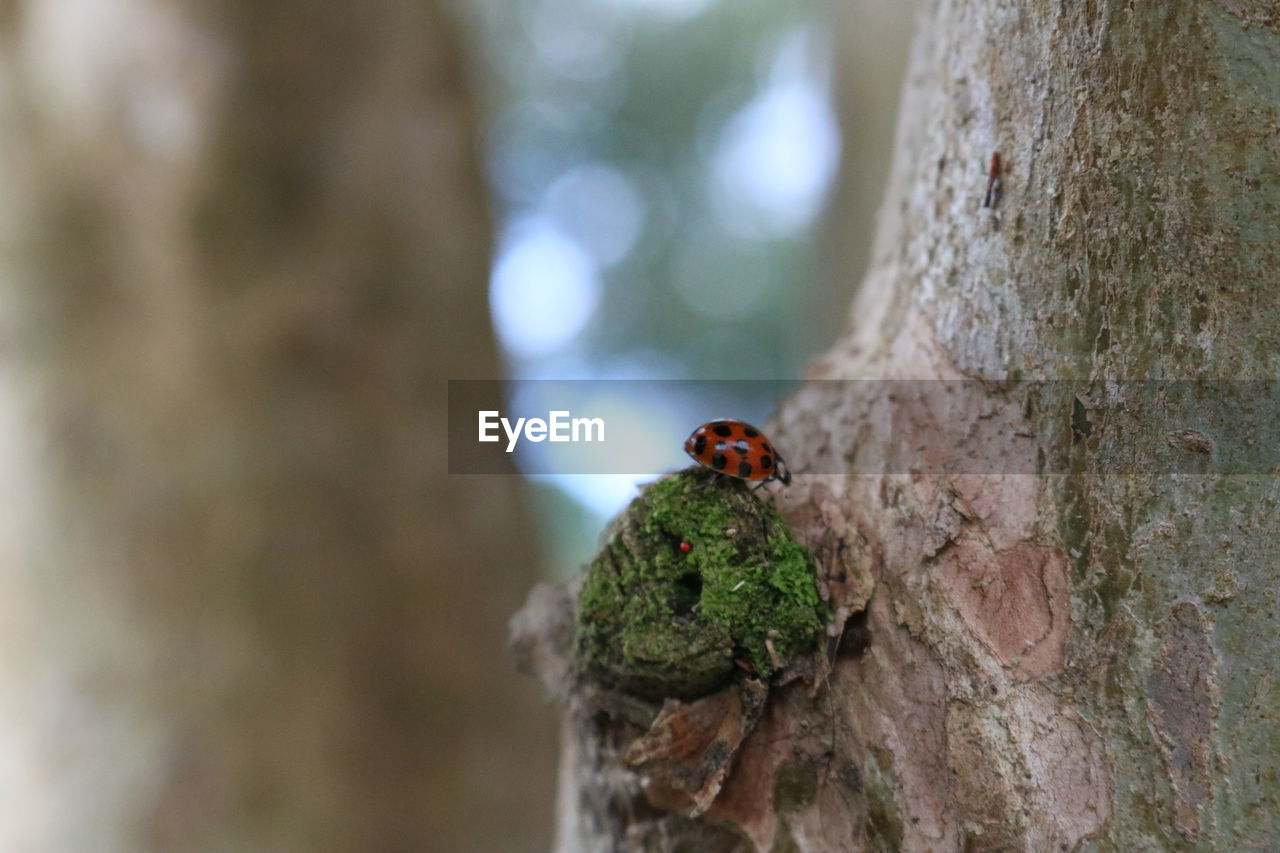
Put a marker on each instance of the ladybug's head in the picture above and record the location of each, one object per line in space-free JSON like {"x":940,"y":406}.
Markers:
{"x":696,"y":445}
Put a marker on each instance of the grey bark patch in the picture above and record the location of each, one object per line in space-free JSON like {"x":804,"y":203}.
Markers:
{"x":1258,"y":13}
{"x":540,"y":637}
{"x":1182,"y":707}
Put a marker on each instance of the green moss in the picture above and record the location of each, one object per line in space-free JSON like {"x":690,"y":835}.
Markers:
{"x":794,"y":786}
{"x":884,"y":825}
{"x":658,"y":621}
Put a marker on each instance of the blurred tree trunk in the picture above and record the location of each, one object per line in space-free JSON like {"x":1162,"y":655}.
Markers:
{"x":245,"y":608}
{"x":1052,"y":662}
{"x":870,"y":41}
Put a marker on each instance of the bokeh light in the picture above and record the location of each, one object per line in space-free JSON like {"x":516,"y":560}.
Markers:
{"x":776,"y":158}
{"x":544,"y":289}
{"x":599,"y":207}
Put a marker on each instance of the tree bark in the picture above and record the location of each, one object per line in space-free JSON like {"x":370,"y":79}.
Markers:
{"x":1077,"y":660}
{"x":245,"y":608}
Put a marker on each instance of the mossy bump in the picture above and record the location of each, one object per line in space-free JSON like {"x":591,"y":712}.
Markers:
{"x":658,"y":621}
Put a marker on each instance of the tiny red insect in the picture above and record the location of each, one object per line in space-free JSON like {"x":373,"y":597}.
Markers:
{"x":686,"y":547}
{"x":993,"y":182}
{"x":737,"y":449}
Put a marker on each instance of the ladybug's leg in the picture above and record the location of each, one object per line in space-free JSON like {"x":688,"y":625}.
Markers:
{"x":773,"y":475}
{"x":784,"y":478}
{"x":715,"y":477}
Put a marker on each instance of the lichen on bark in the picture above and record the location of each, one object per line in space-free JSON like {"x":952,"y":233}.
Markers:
{"x":657,"y":620}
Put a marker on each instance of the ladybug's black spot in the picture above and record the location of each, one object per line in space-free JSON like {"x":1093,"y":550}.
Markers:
{"x":768,"y":449}
{"x":766,"y":462}
{"x":744,"y":469}
{"x":720,"y":445}
{"x":750,"y":432}
{"x":699,"y":445}
{"x":723,"y":430}
{"x":741,"y":446}
{"x":718,"y":461}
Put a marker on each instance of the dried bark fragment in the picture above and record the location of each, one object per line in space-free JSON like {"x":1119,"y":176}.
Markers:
{"x":686,"y":753}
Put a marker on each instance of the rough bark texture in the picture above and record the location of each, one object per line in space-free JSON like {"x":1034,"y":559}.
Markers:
{"x":1085,"y":661}
{"x":244,"y":607}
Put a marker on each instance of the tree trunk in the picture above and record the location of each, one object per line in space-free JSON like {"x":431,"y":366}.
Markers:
{"x":1085,"y":658}
{"x":245,"y":608}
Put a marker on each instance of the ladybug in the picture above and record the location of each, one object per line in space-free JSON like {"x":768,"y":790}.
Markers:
{"x":737,"y":449}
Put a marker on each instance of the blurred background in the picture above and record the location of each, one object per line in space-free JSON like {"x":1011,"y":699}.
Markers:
{"x":660,"y":172}
{"x":243,"y":246}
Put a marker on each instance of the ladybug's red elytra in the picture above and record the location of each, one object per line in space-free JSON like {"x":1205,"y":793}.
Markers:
{"x":737,"y":449}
